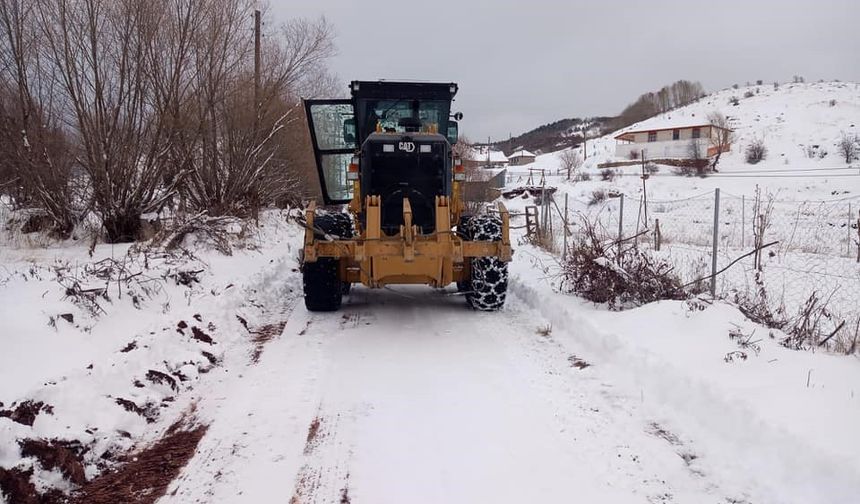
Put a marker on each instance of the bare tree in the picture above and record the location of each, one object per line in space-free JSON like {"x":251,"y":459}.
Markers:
{"x":36,"y":156}
{"x":721,"y":136}
{"x":570,"y":161}
{"x":100,"y":49}
{"x":848,"y":147}
{"x":238,"y":155}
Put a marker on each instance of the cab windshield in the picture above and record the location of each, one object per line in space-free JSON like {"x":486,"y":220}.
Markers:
{"x":405,"y":115}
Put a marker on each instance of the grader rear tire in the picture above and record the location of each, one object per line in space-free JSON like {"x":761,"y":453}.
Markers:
{"x":322,"y":286}
{"x":321,"y":279}
{"x":488,"y":283}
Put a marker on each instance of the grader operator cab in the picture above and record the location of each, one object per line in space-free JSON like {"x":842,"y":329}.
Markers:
{"x":388,"y":153}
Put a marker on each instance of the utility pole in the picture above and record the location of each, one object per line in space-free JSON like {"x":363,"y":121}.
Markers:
{"x":257,"y":57}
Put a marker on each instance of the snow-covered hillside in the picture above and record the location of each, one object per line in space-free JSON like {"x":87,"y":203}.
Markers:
{"x":790,"y":120}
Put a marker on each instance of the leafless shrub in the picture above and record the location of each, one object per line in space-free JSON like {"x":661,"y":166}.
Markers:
{"x":607,"y":175}
{"x":749,"y":94}
{"x":618,"y":274}
{"x":813,"y":324}
{"x":848,"y":147}
{"x":582,"y":176}
{"x":634,"y":155}
{"x":597,"y":196}
{"x":651,"y":168}
{"x":757,"y":306}
{"x":756,"y":151}
{"x":544,"y":330}
{"x":734,"y":100}
{"x":832,"y":102}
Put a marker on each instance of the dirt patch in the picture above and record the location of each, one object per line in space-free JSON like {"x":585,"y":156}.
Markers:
{"x":26,"y":412}
{"x":657,"y":430}
{"x":143,"y":477}
{"x":577,"y":362}
{"x":15,"y":484}
{"x":65,"y":456}
{"x":149,"y":411}
{"x":263,"y":335}
{"x":128,"y":348}
{"x":161,"y":379}
{"x":344,"y":492}
{"x":199,"y":335}
{"x":313,"y":432}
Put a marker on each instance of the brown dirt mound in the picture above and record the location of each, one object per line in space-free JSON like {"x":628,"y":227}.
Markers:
{"x":26,"y":412}
{"x":58,"y":454}
{"x":143,"y":478}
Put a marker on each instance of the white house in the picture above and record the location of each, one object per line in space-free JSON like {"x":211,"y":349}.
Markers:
{"x":521,"y":157}
{"x":682,"y":141}
{"x":484,"y":157}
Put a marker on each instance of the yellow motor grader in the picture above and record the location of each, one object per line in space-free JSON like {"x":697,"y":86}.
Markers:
{"x":387,"y":153}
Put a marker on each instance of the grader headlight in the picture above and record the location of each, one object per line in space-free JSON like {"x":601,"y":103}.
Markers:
{"x":352,"y":170}
{"x":459,"y":170}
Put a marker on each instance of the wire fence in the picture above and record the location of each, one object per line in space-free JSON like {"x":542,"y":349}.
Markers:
{"x":710,"y":237}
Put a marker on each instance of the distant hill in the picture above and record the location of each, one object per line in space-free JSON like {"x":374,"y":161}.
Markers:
{"x":556,"y":135}
{"x":566,"y":133}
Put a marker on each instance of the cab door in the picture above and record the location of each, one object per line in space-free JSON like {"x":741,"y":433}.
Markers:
{"x":333,"y":134}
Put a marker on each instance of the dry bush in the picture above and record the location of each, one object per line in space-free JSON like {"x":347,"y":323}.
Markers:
{"x":756,"y":151}
{"x":607,"y":175}
{"x":597,"y":196}
{"x":620,"y":275}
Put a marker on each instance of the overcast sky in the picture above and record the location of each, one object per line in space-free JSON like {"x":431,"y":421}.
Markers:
{"x":522,"y":64}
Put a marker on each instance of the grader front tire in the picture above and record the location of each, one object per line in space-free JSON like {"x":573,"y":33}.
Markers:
{"x":488,"y":283}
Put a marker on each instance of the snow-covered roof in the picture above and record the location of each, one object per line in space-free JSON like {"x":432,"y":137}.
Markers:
{"x":666,"y":122}
{"x":521,"y":153}
{"x":480,"y":154}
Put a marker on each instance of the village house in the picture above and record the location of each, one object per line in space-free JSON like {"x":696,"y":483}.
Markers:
{"x":481,"y":157}
{"x":521,"y":157}
{"x":667,"y":141}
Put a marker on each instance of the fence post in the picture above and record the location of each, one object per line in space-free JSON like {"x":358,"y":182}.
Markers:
{"x":716,"y":242}
{"x":657,"y":237}
{"x":850,"y":234}
{"x":743,"y":220}
{"x":620,"y":223}
{"x":564,"y":253}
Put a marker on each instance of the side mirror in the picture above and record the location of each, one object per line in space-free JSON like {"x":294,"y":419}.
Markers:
{"x":458,"y":116}
{"x":349,"y":131}
{"x":453,"y":132}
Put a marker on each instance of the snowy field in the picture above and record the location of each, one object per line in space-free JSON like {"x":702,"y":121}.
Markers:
{"x":815,"y":198}
{"x":405,"y":395}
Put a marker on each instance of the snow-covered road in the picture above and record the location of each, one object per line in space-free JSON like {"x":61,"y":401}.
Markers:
{"x":407,"y":396}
